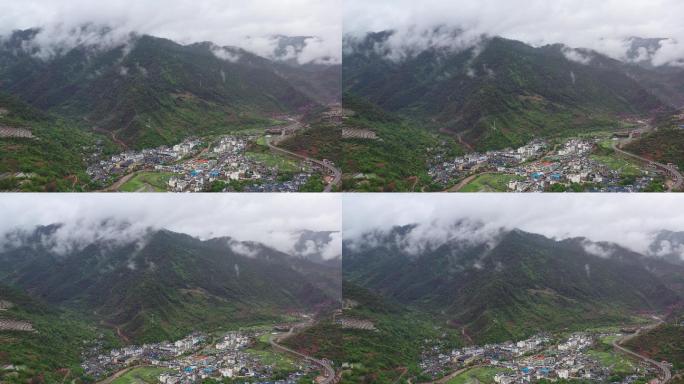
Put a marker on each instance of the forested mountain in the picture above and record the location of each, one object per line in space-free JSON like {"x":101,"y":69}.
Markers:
{"x":514,"y":283}
{"x":149,"y":91}
{"x":501,"y":92}
{"x":164,"y":284}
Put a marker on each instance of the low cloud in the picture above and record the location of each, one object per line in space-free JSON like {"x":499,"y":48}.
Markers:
{"x":271,"y":219}
{"x":628,"y":220}
{"x":577,"y":55}
{"x":248,"y":25}
{"x":598,"y":249}
{"x":422,"y":237}
{"x":225,"y":54}
{"x":605,"y":26}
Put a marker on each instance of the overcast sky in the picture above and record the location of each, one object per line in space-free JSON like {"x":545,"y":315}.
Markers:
{"x":271,"y":219}
{"x":246,"y":24}
{"x":600,"y":25}
{"x":626,"y":219}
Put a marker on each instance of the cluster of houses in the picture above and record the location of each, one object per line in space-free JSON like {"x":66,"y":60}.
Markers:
{"x":530,"y":360}
{"x":444,"y":170}
{"x":104,"y":171}
{"x":533,"y":168}
{"x":99,"y":365}
{"x":194,"y":171}
{"x":195,"y":358}
{"x":572,"y":164}
{"x":435,"y":362}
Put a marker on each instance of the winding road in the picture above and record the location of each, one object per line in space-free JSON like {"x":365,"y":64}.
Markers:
{"x":329,"y":372}
{"x":677,"y":179}
{"x":337,"y":174}
{"x":664,"y":369}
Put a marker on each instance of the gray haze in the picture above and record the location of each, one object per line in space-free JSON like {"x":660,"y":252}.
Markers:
{"x":599,"y":25}
{"x":629,"y":220}
{"x":247,"y":24}
{"x":273,"y":219}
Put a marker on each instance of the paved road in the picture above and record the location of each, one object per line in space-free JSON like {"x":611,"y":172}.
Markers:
{"x":328,"y":370}
{"x":117,"y":184}
{"x":677,"y":179}
{"x":337,"y":174}
{"x":120,"y":373}
{"x":450,"y":376}
{"x":664,"y":369}
{"x":466,"y":181}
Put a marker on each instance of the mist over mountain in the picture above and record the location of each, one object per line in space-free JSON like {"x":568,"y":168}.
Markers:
{"x":611,"y":27}
{"x":164,"y":283}
{"x":157,"y":90}
{"x":494,"y":92}
{"x":260,"y":27}
{"x":512,"y":283}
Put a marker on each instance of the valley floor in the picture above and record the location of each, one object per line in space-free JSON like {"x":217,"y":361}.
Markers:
{"x":592,"y":163}
{"x":249,"y":162}
{"x":594,"y":355}
{"x":248,"y":355}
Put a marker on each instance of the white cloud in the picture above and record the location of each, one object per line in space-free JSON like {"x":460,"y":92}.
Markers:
{"x":577,"y":56}
{"x":630,"y":220}
{"x":271,"y":219}
{"x":246,"y":24}
{"x":600,"y":25}
{"x":598,"y":249}
{"x":225,"y":54}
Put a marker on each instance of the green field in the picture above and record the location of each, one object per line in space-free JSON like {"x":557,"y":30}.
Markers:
{"x":483,"y":375}
{"x":616,"y":362}
{"x":607,"y":356}
{"x":142,"y":375}
{"x":269,"y":357}
{"x":281,"y":362}
{"x":147,"y":182}
{"x":272,"y":160}
{"x":625,"y":167}
{"x":490,"y":182}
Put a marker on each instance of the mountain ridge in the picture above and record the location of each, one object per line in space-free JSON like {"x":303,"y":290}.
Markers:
{"x":499,"y":93}
{"x":522,"y":282}
{"x":187,"y":282}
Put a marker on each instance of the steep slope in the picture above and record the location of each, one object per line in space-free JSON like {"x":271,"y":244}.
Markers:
{"x":151,"y":91}
{"x":397,"y":159}
{"x":320,"y":82}
{"x":51,"y":350}
{"x":513,"y":284}
{"x":165,"y":284}
{"x":498,"y":93}
{"x":663,"y":343}
{"x":39,"y":152}
{"x":383,"y":354}
{"x":665,"y":145}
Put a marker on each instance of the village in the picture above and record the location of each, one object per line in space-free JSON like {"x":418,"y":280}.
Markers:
{"x":536,"y":358}
{"x":195,"y":165}
{"x":195,"y":358}
{"x":535,"y":167}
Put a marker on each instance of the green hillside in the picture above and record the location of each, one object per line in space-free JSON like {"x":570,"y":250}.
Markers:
{"x":502,"y":93}
{"x":51,"y":353}
{"x":524,"y":284}
{"x":663,"y":343}
{"x":383,"y":355}
{"x":397,"y":160}
{"x":664,"y":145}
{"x":188,"y":284}
{"x":157,"y":91}
{"x":52,"y":160}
